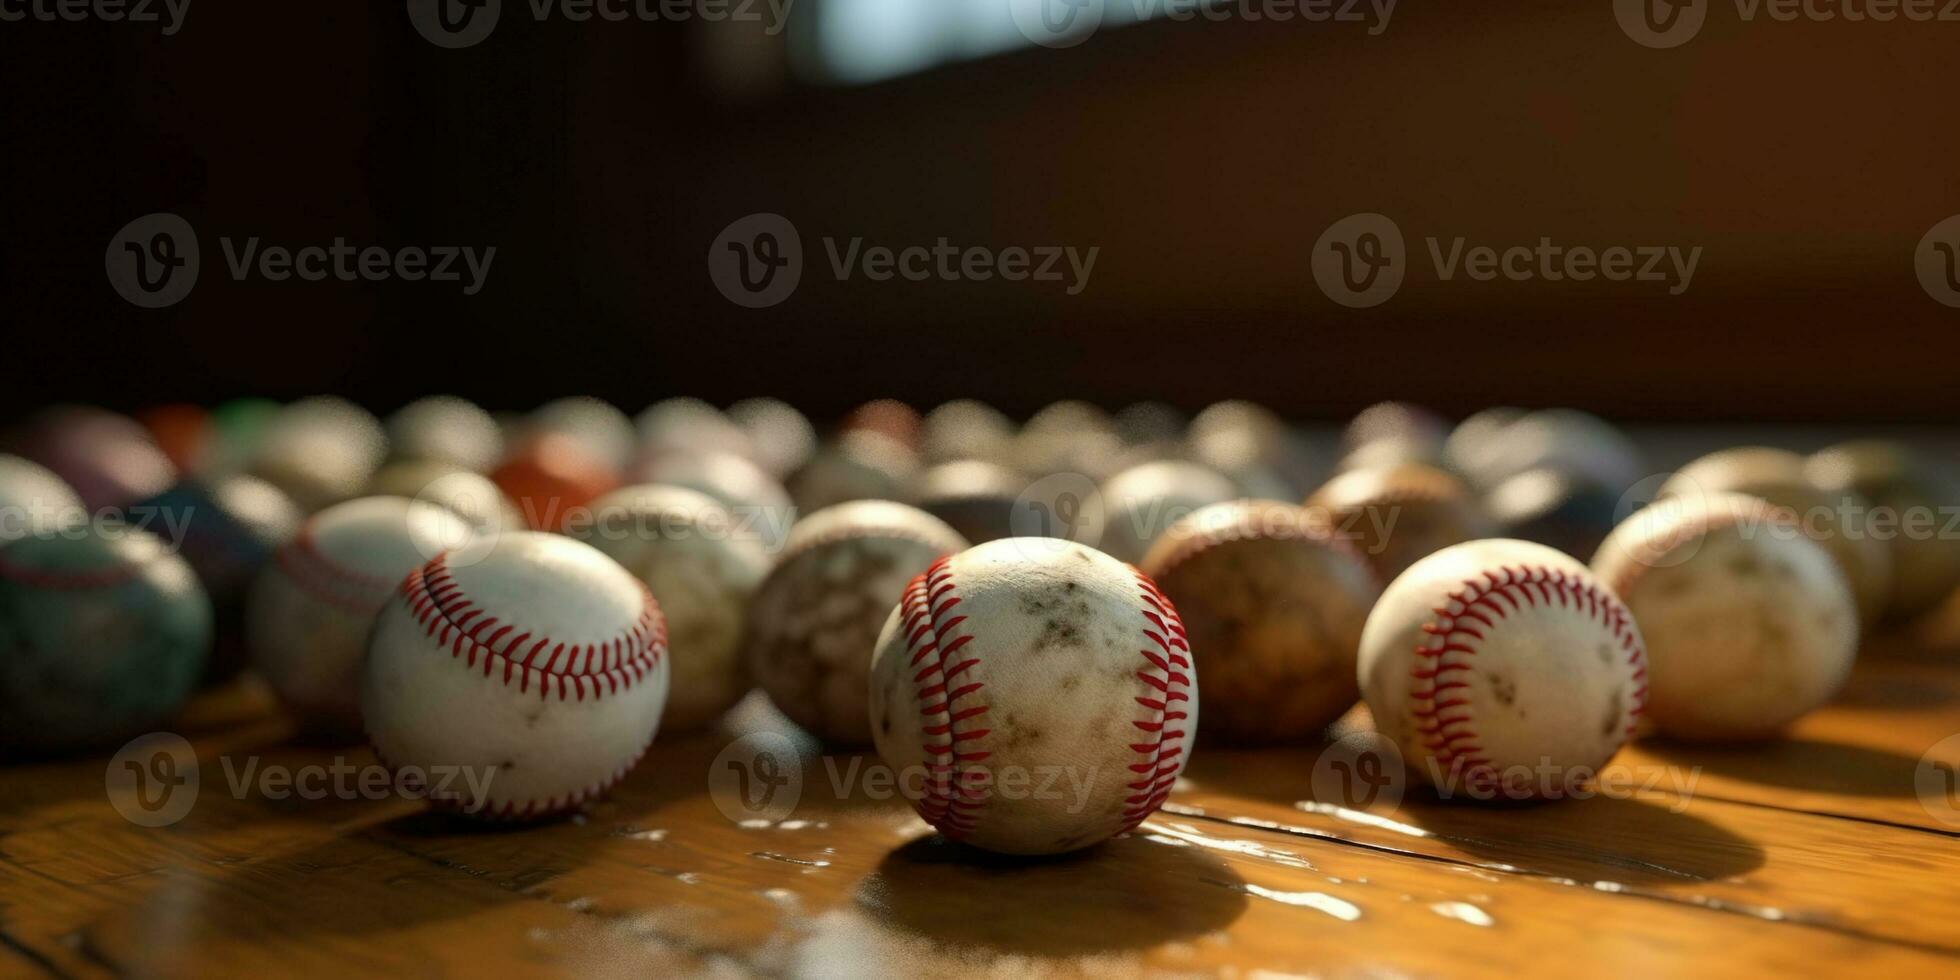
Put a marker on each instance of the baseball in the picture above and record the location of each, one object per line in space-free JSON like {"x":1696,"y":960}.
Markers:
{"x":1913,"y":502}
{"x":538,"y":671}
{"x":1142,"y":502}
{"x":1503,"y":667}
{"x":103,"y":633}
{"x":703,"y":569}
{"x":1400,"y":514}
{"x":760,"y":505}
{"x":1749,"y":623}
{"x":228,"y":529}
{"x":446,"y":429}
{"x":320,"y":451}
{"x":813,"y":621}
{"x":1835,"y":520}
{"x":1275,"y":601}
{"x":33,"y":500}
{"x":977,"y":498}
{"x":1042,"y":692}
{"x":309,"y":613}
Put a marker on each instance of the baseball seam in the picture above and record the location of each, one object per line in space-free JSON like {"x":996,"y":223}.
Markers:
{"x":66,"y":581}
{"x":570,"y":670}
{"x":1168,"y":674}
{"x":313,"y":573}
{"x":1441,"y":703}
{"x":1700,"y":526}
{"x":952,"y":801}
{"x":1238,"y":530}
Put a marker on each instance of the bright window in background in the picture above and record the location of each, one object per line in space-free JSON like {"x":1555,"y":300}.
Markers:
{"x":856,"y":41}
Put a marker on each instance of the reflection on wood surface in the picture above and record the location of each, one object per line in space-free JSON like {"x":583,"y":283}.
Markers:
{"x":1814,"y":854}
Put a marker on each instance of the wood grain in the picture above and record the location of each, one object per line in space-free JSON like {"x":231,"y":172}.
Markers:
{"x":1813,"y":854}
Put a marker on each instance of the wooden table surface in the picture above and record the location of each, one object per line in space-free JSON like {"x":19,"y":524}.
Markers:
{"x":1813,"y":854}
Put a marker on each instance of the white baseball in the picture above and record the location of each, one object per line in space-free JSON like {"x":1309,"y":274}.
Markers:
{"x":538,"y":672}
{"x":703,"y":568}
{"x":311,"y":608}
{"x":814,"y":620}
{"x":1503,"y":667}
{"x":1038,"y":691}
{"x":1750,"y":623}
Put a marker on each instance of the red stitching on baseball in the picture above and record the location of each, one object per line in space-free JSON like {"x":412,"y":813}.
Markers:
{"x":63,"y":579}
{"x":589,"y":670}
{"x":1168,"y":673}
{"x":322,"y":578}
{"x":1452,"y":738}
{"x":953,"y":796}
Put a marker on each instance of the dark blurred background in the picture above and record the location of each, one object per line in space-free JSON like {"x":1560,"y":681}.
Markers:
{"x":1204,"y":159}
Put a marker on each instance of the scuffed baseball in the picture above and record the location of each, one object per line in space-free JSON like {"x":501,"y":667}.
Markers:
{"x":1749,"y":624}
{"x":1275,"y":601}
{"x":1914,"y":500}
{"x":1502,"y":667}
{"x":1038,"y":692}
{"x":540,"y":668}
{"x":310,"y":611}
{"x":813,"y":621}
{"x":703,"y":569}
{"x":1400,"y":514}
{"x":1836,"y":520}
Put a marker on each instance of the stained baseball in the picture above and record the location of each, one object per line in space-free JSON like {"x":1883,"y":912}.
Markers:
{"x":1749,"y":624}
{"x":1276,"y":602}
{"x":1037,"y":693}
{"x":1836,"y":520}
{"x":813,"y":622}
{"x":103,"y":634}
{"x":310,"y":611}
{"x":541,"y":669}
{"x":703,"y":569}
{"x":1503,"y":667}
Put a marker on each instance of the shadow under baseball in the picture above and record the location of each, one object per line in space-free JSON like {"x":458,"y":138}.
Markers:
{"x":1128,"y":893}
{"x":1806,"y":764}
{"x":1600,"y":839}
